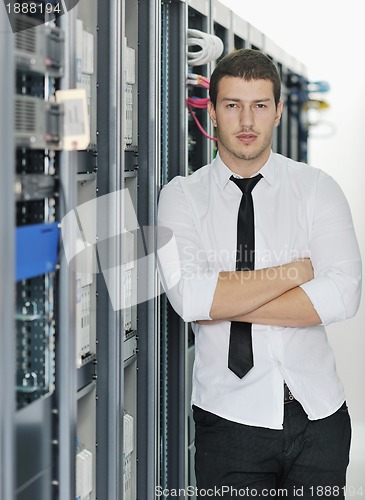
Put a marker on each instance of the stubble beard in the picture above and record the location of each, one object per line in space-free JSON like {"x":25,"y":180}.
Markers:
{"x":241,"y":155}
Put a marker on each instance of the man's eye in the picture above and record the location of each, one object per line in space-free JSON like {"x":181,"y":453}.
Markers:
{"x":260,"y":106}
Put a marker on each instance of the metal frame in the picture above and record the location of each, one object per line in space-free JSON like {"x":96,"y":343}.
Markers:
{"x":148,"y":439}
{"x":175,"y":335}
{"x":66,"y":386}
{"x":109,"y":408}
{"x":221,"y":14}
{"x":240,"y":28}
{"x":256,"y":37}
{"x":7,"y":309}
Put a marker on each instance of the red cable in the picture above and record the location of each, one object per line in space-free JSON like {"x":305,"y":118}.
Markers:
{"x":199,"y":103}
{"x":196,"y":102}
{"x":200,"y":126}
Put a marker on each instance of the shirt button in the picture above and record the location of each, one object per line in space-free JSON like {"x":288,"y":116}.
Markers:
{"x":279,"y":363}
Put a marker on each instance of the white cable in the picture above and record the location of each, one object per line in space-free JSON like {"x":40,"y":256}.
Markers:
{"x":211,"y":47}
{"x":192,"y":79}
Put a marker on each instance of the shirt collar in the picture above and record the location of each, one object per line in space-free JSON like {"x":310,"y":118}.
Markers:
{"x":222,"y":173}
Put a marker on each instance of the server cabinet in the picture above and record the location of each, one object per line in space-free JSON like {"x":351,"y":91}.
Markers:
{"x":75,"y":349}
{"x":37,"y":138}
{"x":276,"y":55}
{"x":180,"y":133}
{"x":128,"y":333}
{"x":297,"y":95}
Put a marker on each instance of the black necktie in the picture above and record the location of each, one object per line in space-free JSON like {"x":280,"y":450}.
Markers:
{"x":240,"y":355}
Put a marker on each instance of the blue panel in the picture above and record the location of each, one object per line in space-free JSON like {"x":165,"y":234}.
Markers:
{"x":36,"y":249}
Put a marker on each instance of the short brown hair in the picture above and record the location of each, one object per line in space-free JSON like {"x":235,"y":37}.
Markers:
{"x":250,"y":64}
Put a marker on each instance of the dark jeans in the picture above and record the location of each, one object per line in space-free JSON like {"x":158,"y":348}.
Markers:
{"x":306,"y":460}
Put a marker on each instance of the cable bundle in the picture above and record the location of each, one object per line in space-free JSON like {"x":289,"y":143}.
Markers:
{"x":319,"y":86}
{"x":198,"y":102}
{"x":211,"y":47}
{"x":198,"y":81}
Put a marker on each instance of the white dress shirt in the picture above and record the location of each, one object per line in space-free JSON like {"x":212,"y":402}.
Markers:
{"x":300,"y":211}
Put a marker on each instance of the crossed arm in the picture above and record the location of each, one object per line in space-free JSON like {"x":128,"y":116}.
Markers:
{"x":268,"y":296}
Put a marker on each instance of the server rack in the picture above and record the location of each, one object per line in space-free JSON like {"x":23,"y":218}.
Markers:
{"x":235,"y":32}
{"x":109,"y":188}
{"x":276,"y":55}
{"x":297,"y":95}
{"x":128,"y":355}
{"x":38,"y":136}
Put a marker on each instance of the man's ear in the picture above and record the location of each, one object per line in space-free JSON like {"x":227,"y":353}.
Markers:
{"x":279,"y":111}
{"x":212,"y":114}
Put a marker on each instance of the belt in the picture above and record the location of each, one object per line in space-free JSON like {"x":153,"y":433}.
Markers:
{"x":288,"y":396}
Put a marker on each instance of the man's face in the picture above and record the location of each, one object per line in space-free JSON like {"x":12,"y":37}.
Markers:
{"x":245,"y":117}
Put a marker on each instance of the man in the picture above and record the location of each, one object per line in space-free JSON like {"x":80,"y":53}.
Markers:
{"x":279,"y":426}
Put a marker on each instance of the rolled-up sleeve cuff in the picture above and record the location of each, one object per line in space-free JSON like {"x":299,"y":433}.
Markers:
{"x":198,"y":293}
{"x":326,"y":299}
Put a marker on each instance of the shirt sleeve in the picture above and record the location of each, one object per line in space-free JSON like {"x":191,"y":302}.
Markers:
{"x":184,"y":270}
{"x":335,"y":291}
